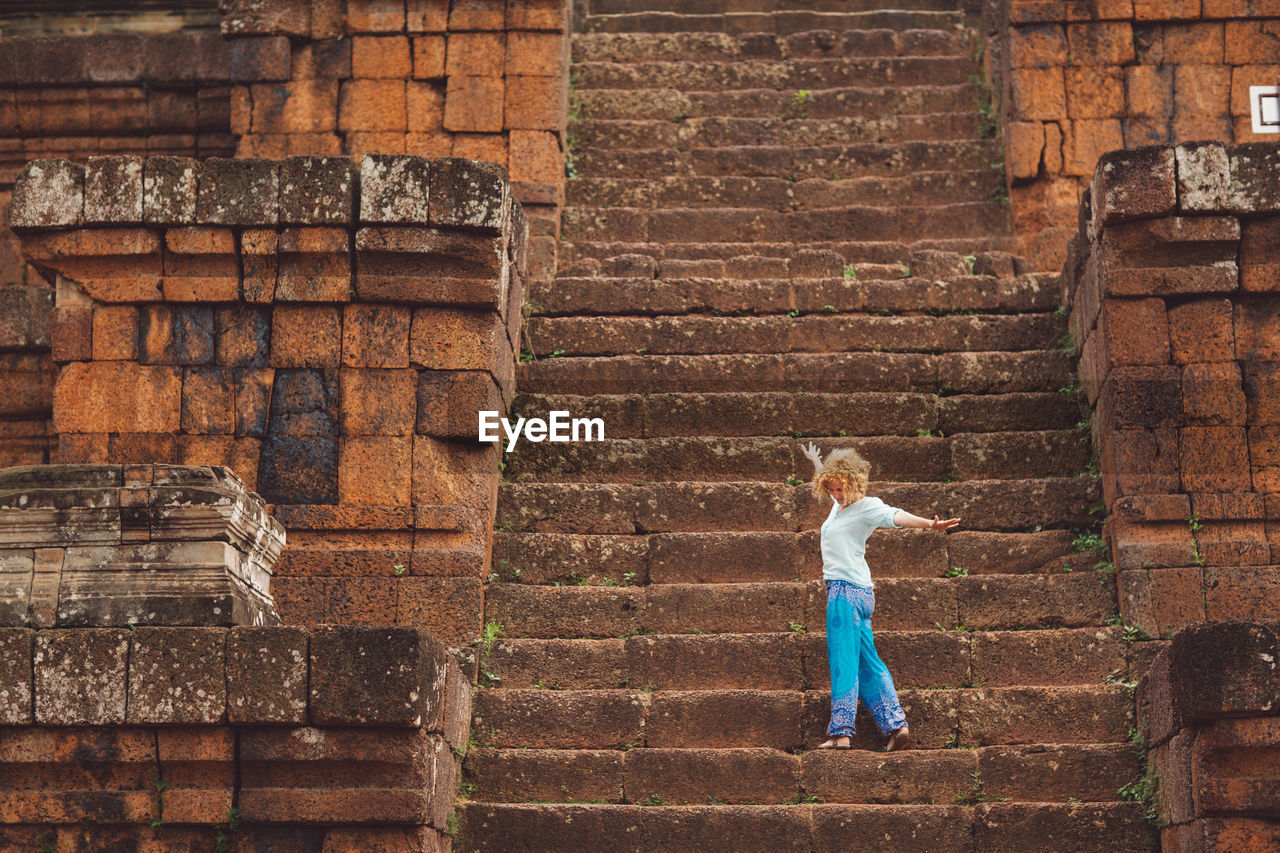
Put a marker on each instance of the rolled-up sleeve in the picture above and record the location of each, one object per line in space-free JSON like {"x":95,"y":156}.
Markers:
{"x":881,"y":514}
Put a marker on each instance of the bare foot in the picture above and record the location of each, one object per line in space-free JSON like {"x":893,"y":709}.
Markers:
{"x":842,"y":742}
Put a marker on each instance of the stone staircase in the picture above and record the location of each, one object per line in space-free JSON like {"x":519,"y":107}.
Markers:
{"x":744,"y":265}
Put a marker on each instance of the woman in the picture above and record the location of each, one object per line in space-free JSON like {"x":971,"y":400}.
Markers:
{"x":851,"y":653}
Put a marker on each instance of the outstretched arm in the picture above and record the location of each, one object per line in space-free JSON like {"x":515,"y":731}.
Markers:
{"x":810,"y":452}
{"x":902,"y":518}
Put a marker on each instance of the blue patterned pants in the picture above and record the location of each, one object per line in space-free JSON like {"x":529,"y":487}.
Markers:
{"x":856,"y":668}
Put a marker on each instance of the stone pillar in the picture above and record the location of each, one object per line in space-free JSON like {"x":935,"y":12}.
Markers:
{"x":1209,"y":715}
{"x":486,"y":80}
{"x":1175,"y":295}
{"x":326,"y":331}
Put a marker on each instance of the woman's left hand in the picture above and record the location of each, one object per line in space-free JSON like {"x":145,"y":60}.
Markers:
{"x":944,"y":524}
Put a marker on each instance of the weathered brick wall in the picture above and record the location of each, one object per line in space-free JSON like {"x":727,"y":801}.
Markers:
{"x":334,"y":739}
{"x":481,"y":79}
{"x":327,"y":333}
{"x":1175,"y":306}
{"x":1082,"y":78}
{"x":76,"y":96}
{"x":1209,"y":713}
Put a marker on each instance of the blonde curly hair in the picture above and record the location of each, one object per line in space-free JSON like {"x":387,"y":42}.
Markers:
{"x":844,"y":465}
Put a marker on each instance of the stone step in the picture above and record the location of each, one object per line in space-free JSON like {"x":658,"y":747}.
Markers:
{"x":958,"y":457}
{"x":793,"y":163}
{"x":869,"y":102}
{"x":693,"y":507}
{"x":805,"y":227}
{"x":776,"y":413}
{"x":919,"y":189}
{"x":719,"y":46}
{"x":783,"y":22}
{"x":981,"y":603}
{"x":721,"y":7}
{"x":793,"y":661}
{"x":985,"y":828}
{"x":754,"y":557}
{"x":718,"y":259}
{"x":949,"y":373}
{"x":693,"y":334}
{"x":956,"y":295}
{"x":798,"y":76}
{"x":1039,"y":773}
{"x":591,"y":134}
{"x":794,"y":719}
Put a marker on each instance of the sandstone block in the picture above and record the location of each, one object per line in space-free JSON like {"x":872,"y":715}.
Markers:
{"x":306,"y":336}
{"x":1135,"y":331}
{"x":1038,"y":94}
{"x":304,"y":403}
{"x":15,"y":675}
{"x":427,"y":16}
{"x":242,"y":335}
{"x":117,"y":396}
{"x":372,"y":105}
{"x":259,"y":264}
{"x":376,"y":676}
{"x":177,"y":675}
{"x":169,"y":190}
{"x":1094,"y":92}
{"x":474,"y":104}
{"x":375,"y":336}
{"x":381,"y":57}
{"x":267,"y":675}
{"x":429,"y":265}
{"x":176,"y":334}
{"x":535,"y":103}
{"x":1149,"y":91}
{"x":454,"y":339}
{"x":1213,"y":394}
{"x":1134,"y":184}
{"x":453,"y":472}
{"x":1253,"y":187}
{"x":208,"y":406}
{"x":253,"y":60}
{"x":252,"y":400}
{"x":1259,"y":244}
{"x":48,"y":194}
{"x":71,"y":336}
{"x":238,"y":192}
{"x":316,"y":190}
{"x":200,"y":265}
{"x":552,"y":15}
{"x":375,"y":16}
{"x":80,"y":677}
{"x":475,"y":54}
{"x":1256,"y":324}
{"x":375,"y":470}
{"x":314,"y":265}
{"x":300,"y":106}
{"x":115,"y":333}
{"x":428,"y":57}
{"x":299,"y":470}
{"x":394,"y":188}
{"x":477,"y":15}
{"x":113,"y":190}
{"x":449,"y":400}
{"x":1201,"y":330}
{"x":467,"y":193}
{"x":424,"y":103}
{"x":380,"y":402}
{"x":1215,"y":459}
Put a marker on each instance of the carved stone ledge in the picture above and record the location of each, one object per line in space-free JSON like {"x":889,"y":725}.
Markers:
{"x":114,"y":545}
